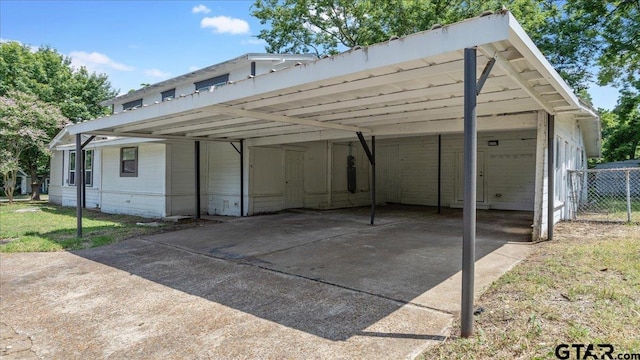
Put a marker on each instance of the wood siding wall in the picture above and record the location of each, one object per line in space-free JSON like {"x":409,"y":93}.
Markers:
{"x":143,"y":195}
{"x":223,"y":185}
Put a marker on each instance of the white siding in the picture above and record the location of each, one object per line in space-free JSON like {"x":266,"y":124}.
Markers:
{"x":569,"y":148}
{"x":66,"y":194}
{"x":185,"y":89}
{"x":181,"y":178}
{"x":315,"y":175}
{"x":266,"y":179}
{"x":55,"y":178}
{"x":223,"y":185}
{"x":143,"y":195}
{"x":340,"y":196}
{"x":508,"y":174}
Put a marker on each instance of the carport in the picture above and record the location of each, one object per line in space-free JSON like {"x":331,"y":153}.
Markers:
{"x":465,"y":77}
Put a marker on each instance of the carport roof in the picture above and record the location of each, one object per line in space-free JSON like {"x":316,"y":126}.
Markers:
{"x":405,"y":86}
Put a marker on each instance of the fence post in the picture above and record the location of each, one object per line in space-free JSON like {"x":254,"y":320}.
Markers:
{"x":628,"y":197}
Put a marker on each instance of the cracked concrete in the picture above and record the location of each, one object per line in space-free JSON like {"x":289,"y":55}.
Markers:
{"x":292,"y":285}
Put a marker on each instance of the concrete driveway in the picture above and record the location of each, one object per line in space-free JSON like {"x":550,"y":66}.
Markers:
{"x":291,"y":285}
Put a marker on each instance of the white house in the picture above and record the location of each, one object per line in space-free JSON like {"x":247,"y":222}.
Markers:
{"x":289,"y":131}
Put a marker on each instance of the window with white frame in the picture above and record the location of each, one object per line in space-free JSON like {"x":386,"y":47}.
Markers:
{"x":88,"y":168}
{"x":72,"y":168}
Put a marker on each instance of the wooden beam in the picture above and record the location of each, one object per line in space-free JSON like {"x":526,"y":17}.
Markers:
{"x":424,"y":105}
{"x":368,"y":82}
{"x":285,"y":119}
{"x":485,"y":123}
{"x":163,"y":121}
{"x":204,"y":125}
{"x":151,"y":136}
{"x":490,"y":51}
{"x":235,"y":129}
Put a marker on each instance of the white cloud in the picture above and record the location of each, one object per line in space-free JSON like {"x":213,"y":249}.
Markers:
{"x":200,"y":9}
{"x":32,"y":48}
{"x":95,"y":61}
{"x":225,"y":25}
{"x":193,"y":68}
{"x":156,"y":73}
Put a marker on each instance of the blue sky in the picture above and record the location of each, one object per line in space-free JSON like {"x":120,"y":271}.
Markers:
{"x":137,"y":42}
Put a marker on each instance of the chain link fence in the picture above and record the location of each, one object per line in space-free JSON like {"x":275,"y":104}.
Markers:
{"x":605,"y":195}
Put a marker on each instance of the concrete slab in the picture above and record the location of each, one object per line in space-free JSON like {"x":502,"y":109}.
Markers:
{"x":291,"y":285}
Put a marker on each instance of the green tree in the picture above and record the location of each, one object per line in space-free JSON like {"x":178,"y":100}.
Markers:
{"x":26,"y":126}
{"x":593,"y":40}
{"x":621,"y":128}
{"x":50,"y":78}
{"x":326,"y":26}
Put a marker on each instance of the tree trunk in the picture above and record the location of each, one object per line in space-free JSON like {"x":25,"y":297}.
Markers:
{"x":35,"y":184}
{"x":35,"y":189}
{"x":9,"y":184}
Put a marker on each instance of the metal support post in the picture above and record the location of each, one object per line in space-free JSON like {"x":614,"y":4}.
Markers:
{"x":469,"y":212}
{"x":84,"y":183}
{"x":79,"y":184}
{"x":627,"y":173}
{"x":197,"y":176}
{"x":371,"y":155}
{"x":373,"y":179}
{"x":84,"y":162}
{"x":241,"y":177}
{"x":439,"y":174}
{"x":550,"y":175}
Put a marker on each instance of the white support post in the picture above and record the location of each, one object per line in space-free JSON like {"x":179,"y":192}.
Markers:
{"x":539,"y":198}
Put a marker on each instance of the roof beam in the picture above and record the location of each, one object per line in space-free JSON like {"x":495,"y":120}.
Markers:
{"x":158,"y":137}
{"x":369,"y":82}
{"x":424,"y":105}
{"x":175,"y":119}
{"x":491,"y":52}
{"x":285,"y":119}
{"x":260,"y":125}
{"x":403,"y":95}
{"x":489,"y":123}
{"x":204,"y":125}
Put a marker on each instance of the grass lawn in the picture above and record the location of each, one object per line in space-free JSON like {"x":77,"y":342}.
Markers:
{"x":39,"y":226}
{"x":581,"y":288}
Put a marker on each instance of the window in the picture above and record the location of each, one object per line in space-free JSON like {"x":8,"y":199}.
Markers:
{"x":72,"y":167}
{"x":214,"y":81}
{"x":129,"y":161}
{"x":169,"y":94}
{"x":132,"y":104}
{"x":88,"y":168}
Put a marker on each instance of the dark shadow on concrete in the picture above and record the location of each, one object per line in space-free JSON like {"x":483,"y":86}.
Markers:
{"x":327,"y":273}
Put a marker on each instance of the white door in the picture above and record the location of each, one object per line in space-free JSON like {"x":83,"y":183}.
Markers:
{"x":294,"y":179}
{"x":479,"y":177}
{"x":388,"y":173}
